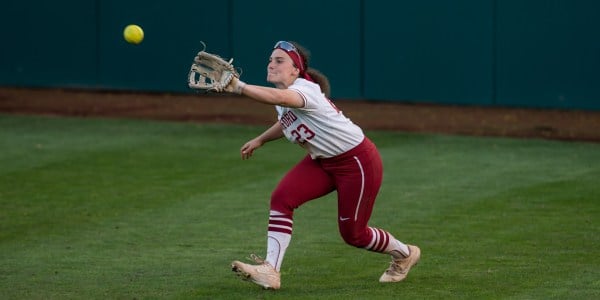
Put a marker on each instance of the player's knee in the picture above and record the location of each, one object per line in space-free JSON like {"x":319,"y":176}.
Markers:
{"x":281,"y":201}
{"x":354,"y":238}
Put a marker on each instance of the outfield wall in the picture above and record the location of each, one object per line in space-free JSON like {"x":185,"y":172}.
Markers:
{"x":533,"y":53}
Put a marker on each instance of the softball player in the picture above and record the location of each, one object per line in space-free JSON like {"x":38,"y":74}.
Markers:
{"x":340,"y":158}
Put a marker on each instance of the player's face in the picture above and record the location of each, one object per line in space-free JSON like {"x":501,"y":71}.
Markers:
{"x":281,"y":70}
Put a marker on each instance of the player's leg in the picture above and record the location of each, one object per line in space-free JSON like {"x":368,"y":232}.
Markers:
{"x":358,"y":177}
{"x":358,"y":181}
{"x":304,"y":182}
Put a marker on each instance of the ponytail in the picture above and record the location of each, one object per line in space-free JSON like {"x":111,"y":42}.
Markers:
{"x":320,"y":79}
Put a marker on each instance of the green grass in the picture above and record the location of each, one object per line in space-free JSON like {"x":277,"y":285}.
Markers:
{"x":124,"y":209}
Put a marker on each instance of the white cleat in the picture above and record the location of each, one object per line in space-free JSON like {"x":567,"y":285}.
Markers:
{"x":399,"y":268}
{"x":262,"y":274}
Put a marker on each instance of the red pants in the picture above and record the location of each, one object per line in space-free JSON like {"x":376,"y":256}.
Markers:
{"x":356,"y":175}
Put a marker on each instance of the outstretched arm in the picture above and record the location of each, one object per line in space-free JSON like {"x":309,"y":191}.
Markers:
{"x":266,"y":95}
{"x":209,"y":72}
{"x":273,"y":133}
{"x":274,"y":96}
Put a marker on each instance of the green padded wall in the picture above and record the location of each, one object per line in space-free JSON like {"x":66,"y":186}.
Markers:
{"x":533,"y":53}
{"x":48,"y":43}
{"x":429,"y":51}
{"x":548,"y":53}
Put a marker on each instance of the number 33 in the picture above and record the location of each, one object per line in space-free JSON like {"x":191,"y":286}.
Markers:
{"x":302,"y":133}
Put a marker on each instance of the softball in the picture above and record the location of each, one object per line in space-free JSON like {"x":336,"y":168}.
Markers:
{"x":133,"y":34}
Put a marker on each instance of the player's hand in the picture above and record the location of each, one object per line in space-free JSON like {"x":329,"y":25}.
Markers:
{"x":235,"y":86}
{"x":248,"y":149}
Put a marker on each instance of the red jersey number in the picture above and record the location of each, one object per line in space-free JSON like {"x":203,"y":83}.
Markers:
{"x":302,"y":133}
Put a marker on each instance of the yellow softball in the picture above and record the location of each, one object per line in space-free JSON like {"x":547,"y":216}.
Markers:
{"x":133,"y":34}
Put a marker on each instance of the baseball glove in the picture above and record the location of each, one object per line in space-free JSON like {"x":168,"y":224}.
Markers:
{"x":210,"y":72}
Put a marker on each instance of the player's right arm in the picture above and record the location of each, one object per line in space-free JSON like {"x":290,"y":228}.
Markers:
{"x":273,"y":96}
{"x":273,"y":133}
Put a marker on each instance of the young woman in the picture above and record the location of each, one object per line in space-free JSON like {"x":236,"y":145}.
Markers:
{"x":340,"y":158}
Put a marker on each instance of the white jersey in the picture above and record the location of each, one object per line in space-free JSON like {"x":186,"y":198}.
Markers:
{"x":319,"y":126}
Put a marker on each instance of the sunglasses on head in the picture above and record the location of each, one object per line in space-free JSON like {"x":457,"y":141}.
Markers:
{"x":288,"y":47}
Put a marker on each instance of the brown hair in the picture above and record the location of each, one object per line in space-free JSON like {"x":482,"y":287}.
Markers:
{"x":316,"y":75}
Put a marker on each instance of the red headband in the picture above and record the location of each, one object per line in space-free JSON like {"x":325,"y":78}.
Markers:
{"x":299,"y":62}
{"x":297,"y":59}
{"x":293,"y":53}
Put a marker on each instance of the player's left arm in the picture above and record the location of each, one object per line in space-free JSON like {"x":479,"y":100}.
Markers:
{"x":274,"y":132}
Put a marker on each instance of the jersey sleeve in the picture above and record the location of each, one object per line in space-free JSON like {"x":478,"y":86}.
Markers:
{"x":308,"y":91}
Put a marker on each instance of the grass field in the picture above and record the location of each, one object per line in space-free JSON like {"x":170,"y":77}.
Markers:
{"x":130,"y":209}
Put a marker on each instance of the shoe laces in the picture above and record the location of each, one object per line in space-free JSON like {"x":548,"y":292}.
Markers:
{"x":396,"y":266}
{"x":256,"y":259}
